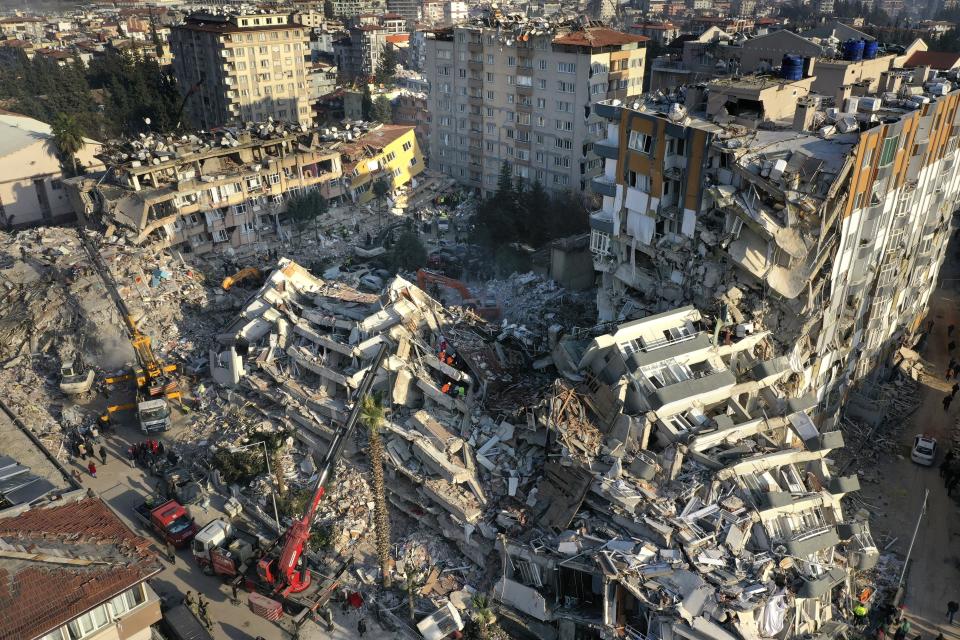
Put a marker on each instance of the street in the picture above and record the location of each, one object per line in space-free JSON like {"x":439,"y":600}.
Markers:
{"x":123,"y":487}
{"x":933,"y":575}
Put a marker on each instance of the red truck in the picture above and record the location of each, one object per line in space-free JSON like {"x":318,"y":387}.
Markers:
{"x":224,"y":549}
{"x":170,"y":520}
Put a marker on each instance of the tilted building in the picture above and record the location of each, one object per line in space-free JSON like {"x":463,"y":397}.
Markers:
{"x":522,"y":92}
{"x":229,"y":190}
{"x":821,"y":218}
{"x":242,"y":68}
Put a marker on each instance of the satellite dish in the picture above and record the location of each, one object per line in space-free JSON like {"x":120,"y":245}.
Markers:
{"x":147,"y":120}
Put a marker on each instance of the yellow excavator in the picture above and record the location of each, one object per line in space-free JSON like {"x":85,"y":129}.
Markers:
{"x":248,"y":273}
{"x":156,"y":381}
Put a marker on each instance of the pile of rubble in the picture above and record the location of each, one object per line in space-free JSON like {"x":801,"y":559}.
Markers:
{"x":673,"y":480}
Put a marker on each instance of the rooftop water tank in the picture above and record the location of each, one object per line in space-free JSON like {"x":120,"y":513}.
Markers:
{"x":791,"y":68}
{"x":853,"y":50}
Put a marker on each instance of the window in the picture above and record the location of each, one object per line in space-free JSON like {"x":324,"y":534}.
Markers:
{"x":600,"y":242}
{"x":562,"y":143}
{"x":247,"y":228}
{"x":490,"y":95}
{"x":509,"y":98}
{"x":858,"y":201}
{"x":564,"y":107}
{"x":564,"y":125}
{"x":220,"y":235}
{"x":524,"y":81}
{"x":543,"y":65}
{"x":889,"y":150}
{"x":490,"y":58}
{"x":541,"y":103}
{"x":88,"y":623}
{"x":561,"y":161}
{"x":407,"y":145}
{"x":413,"y":161}
{"x":598,"y":89}
{"x":396,"y":172}
{"x":640,"y":142}
{"x":540,"y":121}
{"x":274,"y":178}
{"x":523,"y":154}
{"x":489,"y":76}
{"x":511,"y":61}
{"x":567,"y":67}
{"x":566,"y":87}
{"x":391,"y":156}
{"x":561,"y":179}
{"x":510,"y":80}
{"x":638,"y":181}
{"x":541,"y":83}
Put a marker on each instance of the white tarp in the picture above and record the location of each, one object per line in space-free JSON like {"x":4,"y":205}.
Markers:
{"x":772,"y":619}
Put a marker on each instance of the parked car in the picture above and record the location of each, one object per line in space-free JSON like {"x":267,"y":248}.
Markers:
{"x":924,"y":450}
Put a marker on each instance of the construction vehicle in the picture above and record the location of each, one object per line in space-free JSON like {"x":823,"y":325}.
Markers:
{"x":153,"y":378}
{"x":487,"y":309}
{"x":248,"y":273}
{"x":283,"y":573}
{"x":74,"y":379}
{"x":222,"y":548}
{"x":170,"y":521}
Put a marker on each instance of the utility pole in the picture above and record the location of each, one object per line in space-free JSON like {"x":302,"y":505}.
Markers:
{"x":906,"y":563}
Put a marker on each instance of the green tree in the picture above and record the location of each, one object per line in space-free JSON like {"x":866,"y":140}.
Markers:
{"x":504,"y":193}
{"x":387,"y":67}
{"x":366,"y":103}
{"x":408,"y":253}
{"x":382,"y":110}
{"x":68,"y":136}
{"x":306,"y":210}
{"x":372,"y":415}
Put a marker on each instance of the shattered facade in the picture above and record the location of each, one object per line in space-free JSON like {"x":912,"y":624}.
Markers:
{"x":821,"y":219}
{"x":212,"y":192}
{"x":708,"y":508}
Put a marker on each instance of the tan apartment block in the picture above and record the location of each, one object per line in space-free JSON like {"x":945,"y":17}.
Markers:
{"x":242,"y":68}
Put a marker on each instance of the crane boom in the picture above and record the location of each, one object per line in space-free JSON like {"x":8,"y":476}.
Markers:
{"x":153,"y":375}
{"x":288,"y":580}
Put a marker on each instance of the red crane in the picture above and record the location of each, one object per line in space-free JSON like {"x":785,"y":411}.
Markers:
{"x":284,"y":572}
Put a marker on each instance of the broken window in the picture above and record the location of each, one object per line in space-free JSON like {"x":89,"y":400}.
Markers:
{"x":640,"y":142}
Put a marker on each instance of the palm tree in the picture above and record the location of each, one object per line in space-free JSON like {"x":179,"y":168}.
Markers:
{"x":68,"y":136}
{"x":483,"y":616}
{"x":372,"y":415}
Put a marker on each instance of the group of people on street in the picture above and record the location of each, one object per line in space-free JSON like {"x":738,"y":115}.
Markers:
{"x":950,"y":472}
{"x":146,"y":452}
{"x":83,"y":444}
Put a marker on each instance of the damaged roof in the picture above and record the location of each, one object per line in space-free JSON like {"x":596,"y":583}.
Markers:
{"x":59,"y":562}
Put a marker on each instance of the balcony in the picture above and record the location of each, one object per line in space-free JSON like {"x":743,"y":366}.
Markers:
{"x":669,"y":66}
{"x":524,"y":90}
{"x":475,"y":47}
{"x":604,"y":186}
{"x":475,"y":83}
{"x":475,"y":100}
{"x":608,"y":111}
{"x":602,"y":221}
{"x":607,"y":149}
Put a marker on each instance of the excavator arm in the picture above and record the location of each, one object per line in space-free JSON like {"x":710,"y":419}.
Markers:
{"x":287,"y":579}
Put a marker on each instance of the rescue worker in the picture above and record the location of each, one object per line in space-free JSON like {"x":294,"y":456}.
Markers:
{"x":860,"y":614}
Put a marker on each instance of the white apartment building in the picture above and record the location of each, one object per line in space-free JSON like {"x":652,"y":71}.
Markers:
{"x":506,"y":93}
{"x":246,"y":67}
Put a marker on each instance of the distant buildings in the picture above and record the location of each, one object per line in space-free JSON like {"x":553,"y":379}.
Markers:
{"x":31,"y":187}
{"x":358,"y":54}
{"x":504,"y":92}
{"x":242,"y":68}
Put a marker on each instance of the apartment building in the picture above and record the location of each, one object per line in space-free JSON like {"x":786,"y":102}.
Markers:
{"x":389,"y":152}
{"x":86,"y":576}
{"x":506,"y":90}
{"x":242,"y":68}
{"x":823,"y":219}
{"x":358,"y":54}
{"x":409,"y":9}
{"x":215,"y":192}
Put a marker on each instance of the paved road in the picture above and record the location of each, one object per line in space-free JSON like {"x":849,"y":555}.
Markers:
{"x":933,"y":577}
{"x":123,"y":487}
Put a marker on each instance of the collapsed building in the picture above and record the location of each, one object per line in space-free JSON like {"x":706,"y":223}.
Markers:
{"x":672,"y":484}
{"x":823,"y":219}
{"x":229,"y":189}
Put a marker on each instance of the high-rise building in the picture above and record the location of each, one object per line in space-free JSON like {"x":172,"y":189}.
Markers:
{"x":507,"y":93}
{"x":409,"y":9}
{"x":822,"y":219}
{"x":242,"y":68}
